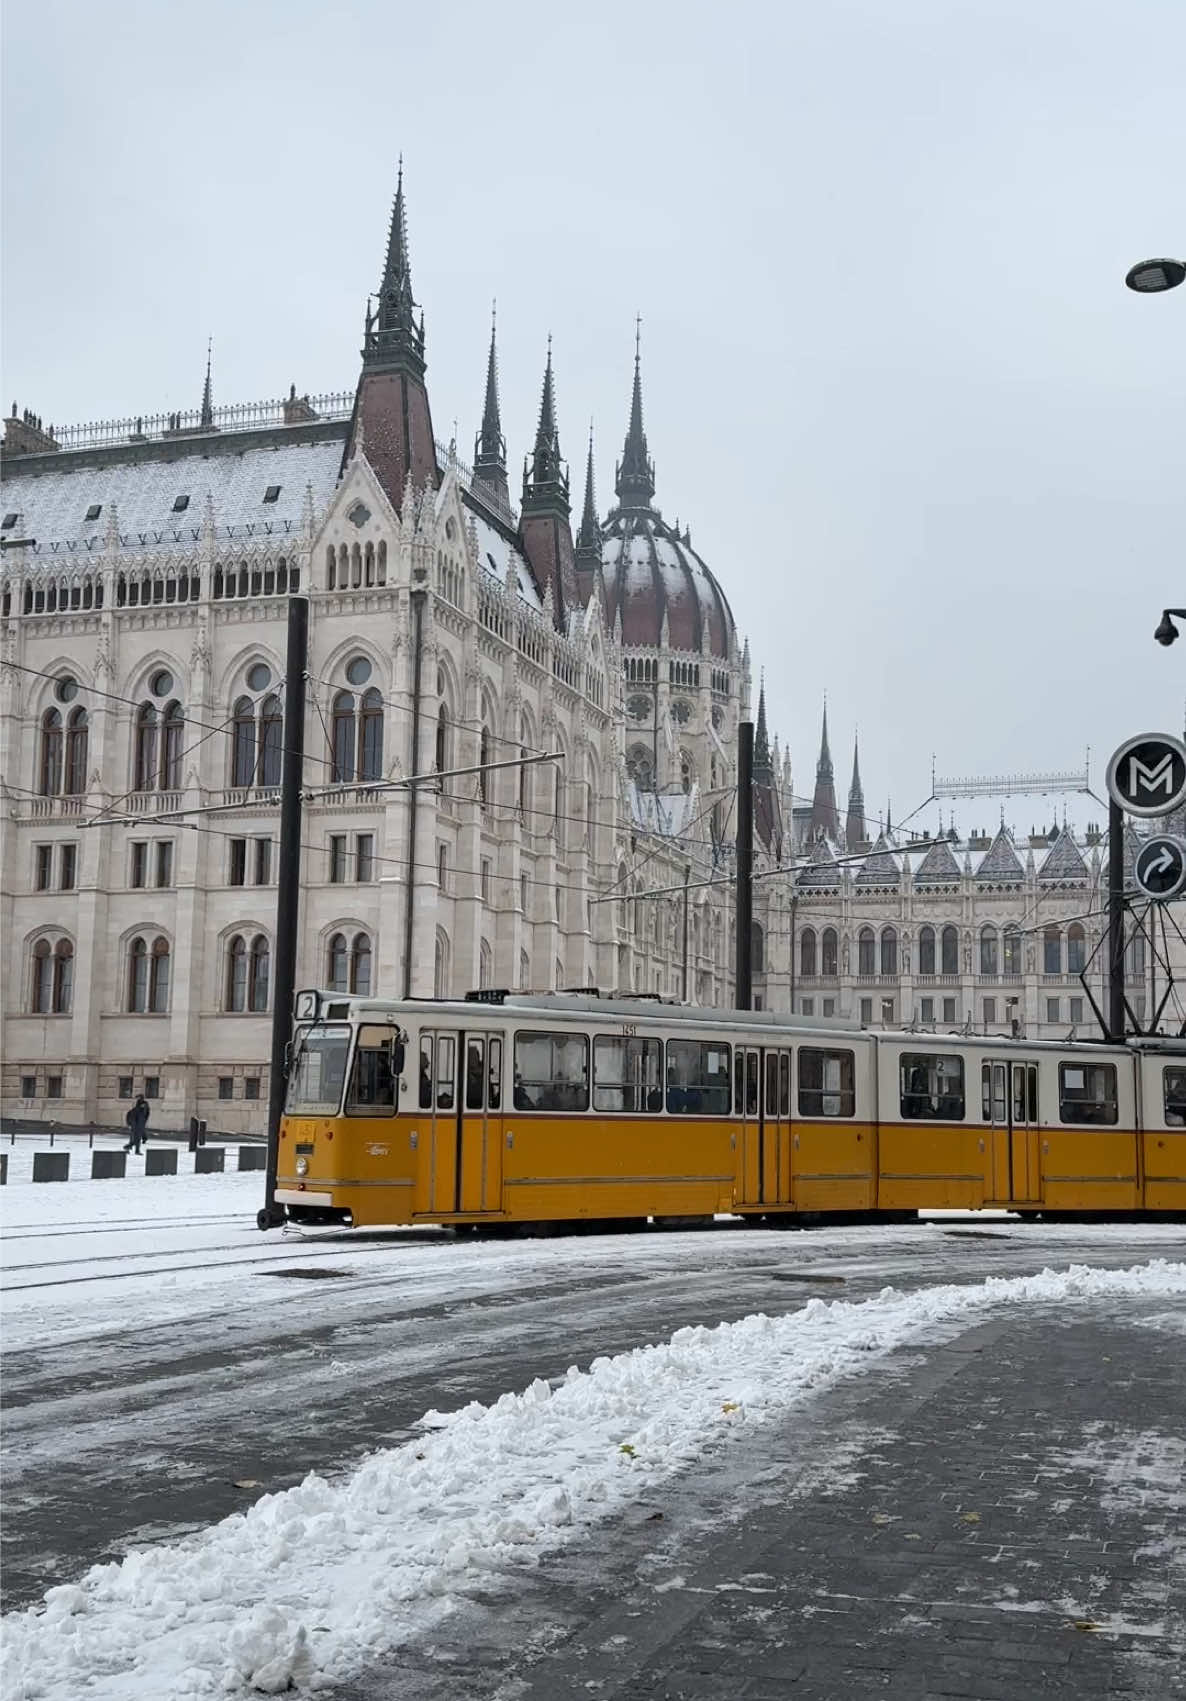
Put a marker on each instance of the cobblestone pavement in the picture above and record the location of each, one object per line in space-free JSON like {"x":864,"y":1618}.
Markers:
{"x":999,"y":1515}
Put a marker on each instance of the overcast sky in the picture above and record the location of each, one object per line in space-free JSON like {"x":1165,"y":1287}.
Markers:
{"x":930,"y":445}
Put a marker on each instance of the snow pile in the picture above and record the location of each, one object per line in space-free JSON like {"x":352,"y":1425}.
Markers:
{"x":309,"y":1585}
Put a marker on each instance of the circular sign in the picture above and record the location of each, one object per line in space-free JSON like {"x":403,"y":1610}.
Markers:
{"x":1160,"y":868}
{"x":1147,"y":775}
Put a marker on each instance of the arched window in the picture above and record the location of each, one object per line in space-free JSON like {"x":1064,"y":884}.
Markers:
{"x":889,"y":952}
{"x":483,"y":762}
{"x":1052,"y":951}
{"x":42,"y":989}
{"x":807,"y":954}
{"x":1012,"y":949}
{"x":243,"y":743}
{"x":148,"y":976}
{"x":440,"y":966}
{"x":63,"y":978}
{"x":1076,"y":948}
{"x":687,"y":772}
{"x":926,"y":951}
{"x":989,"y":960}
{"x":236,"y":974}
{"x":259,"y":973}
{"x":138,"y":975}
{"x":640,"y":767}
{"x":77,"y":738}
{"x":360,"y":965}
{"x":172,"y":734}
{"x":343,"y":738}
{"x":337,"y":964}
{"x":370,"y":736}
{"x":485,"y":965}
{"x":158,"y":977}
{"x":829,"y":952}
{"x":441,"y":753}
{"x":524,"y":971}
{"x":866,"y":952}
{"x":1136,"y":955}
{"x":757,"y":950}
{"x":50,"y":772}
{"x":146,"y":748}
{"x":949,"y":947}
{"x":271,"y":741}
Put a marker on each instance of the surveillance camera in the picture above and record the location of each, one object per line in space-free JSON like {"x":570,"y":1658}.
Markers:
{"x":1166,"y":631}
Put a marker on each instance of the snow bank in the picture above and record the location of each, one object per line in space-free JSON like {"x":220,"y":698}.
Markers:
{"x":309,"y":1585}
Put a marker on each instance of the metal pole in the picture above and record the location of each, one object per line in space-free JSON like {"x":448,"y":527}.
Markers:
{"x":794,"y":901}
{"x":289,"y":890}
{"x":687,"y":877}
{"x":745,"y":863}
{"x":1115,"y":922}
{"x":413,"y":791}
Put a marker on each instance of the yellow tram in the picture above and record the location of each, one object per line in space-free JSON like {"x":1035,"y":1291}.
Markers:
{"x":505,"y":1109}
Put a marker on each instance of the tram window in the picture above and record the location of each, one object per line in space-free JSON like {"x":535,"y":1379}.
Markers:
{"x":372,"y":1084}
{"x":551,"y":1072}
{"x":1032,"y":1080}
{"x":827,"y":1083}
{"x":751,"y":1083}
{"x":318,"y":1069}
{"x":784,"y":1083}
{"x":771,"y":1083}
{"x":475,"y":1069}
{"x":931,"y":1087}
{"x":627,"y":1074}
{"x":446,"y":1071}
{"x":426,"y":1072}
{"x":698,"y":1077}
{"x":1087,"y":1093}
{"x":494,"y":1074}
{"x":1174,"y":1084}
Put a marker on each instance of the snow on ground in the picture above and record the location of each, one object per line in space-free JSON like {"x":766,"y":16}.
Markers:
{"x":310,"y":1584}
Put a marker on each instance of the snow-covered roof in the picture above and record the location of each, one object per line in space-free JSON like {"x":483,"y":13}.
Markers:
{"x":495,"y":553}
{"x":52,"y":501}
{"x":1064,"y":861}
{"x":652,"y":574}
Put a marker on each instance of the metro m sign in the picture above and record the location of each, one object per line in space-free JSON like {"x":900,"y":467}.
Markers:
{"x":1147,"y":775}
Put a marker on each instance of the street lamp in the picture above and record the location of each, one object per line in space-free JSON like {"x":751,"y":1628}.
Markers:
{"x":1167,"y":632}
{"x":1153,"y":277}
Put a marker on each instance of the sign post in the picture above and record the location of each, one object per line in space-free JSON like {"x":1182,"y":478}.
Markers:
{"x":1146,"y":778}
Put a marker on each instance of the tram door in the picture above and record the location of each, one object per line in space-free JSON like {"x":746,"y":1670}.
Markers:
{"x":1010,"y":1101}
{"x":460,"y":1091}
{"x":762,"y":1106}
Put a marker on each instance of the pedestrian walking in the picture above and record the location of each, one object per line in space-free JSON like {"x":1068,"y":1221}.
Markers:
{"x":137,"y":1121}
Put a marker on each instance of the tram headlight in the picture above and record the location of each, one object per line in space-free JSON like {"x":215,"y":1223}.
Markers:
{"x":302,"y":1166}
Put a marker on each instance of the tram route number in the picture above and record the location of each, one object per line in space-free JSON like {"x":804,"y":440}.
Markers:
{"x":629,"y":1029}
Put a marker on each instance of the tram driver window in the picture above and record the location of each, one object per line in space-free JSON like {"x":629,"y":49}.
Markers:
{"x":1087,"y":1093}
{"x":372,"y":1084}
{"x":697,"y":1078}
{"x":827,"y":1083}
{"x":932,"y":1087}
{"x":627,"y":1074}
{"x":551,"y":1072}
{"x":426,"y":1072}
{"x":1174,"y":1083}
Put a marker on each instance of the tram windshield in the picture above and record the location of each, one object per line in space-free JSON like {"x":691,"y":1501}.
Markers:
{"x":318,"y":1070}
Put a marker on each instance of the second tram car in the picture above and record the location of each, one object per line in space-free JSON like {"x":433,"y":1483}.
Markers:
{"x":505,"y":1109}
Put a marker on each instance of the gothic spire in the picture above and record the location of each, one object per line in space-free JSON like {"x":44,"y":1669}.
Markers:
{"x":823,"y":768}
{"x":825,"y":818}
{"x":635,"y":474}
{"x":855,"y":831}
{"x":207,"y":419}
{"x":588,"y":553}
{"x":490,"y":448}
{"x":762,"y":768}
{"x":393,"y":338}
{"x":545,"y":477}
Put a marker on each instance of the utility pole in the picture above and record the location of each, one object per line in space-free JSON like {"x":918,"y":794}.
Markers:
{"x":745,"y":864}
{"x":289,"y":891}
{"x":1115,"y":922}
{"x":687,"y":877}
{"x":419,"y":596}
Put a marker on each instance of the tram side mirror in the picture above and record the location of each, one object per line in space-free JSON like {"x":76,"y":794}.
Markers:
{"x":287,"y":1058}
{"x":397,"y":1057}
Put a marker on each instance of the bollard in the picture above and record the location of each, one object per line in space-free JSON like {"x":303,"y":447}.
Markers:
{"x":51,"y":1166}
{"x":209,"y":1160}
{"x":160,"y":1160}
{"x":108,"y":1166}
{"x":3,"y":1169}
{"x":253,"y":1157}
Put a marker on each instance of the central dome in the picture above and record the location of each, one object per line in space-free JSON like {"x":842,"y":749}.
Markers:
{"x":652,"y":573}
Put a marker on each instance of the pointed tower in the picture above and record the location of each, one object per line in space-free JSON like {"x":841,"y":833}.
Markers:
{"x":207,"y":420}
{"x":544,"y":527}
{"x":391,"y":410}
{"x":588,"y":547}
{"x":763,"y":772}
{"x":855,"y":834}
{"x":825,"y":817}
{"x":634,"y":478}
{"x":490,"y":447}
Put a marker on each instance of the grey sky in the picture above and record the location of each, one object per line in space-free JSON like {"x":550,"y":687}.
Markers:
{"x":928,"y":442}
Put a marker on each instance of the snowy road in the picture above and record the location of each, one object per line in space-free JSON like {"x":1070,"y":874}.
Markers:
{"x":166,"y":1364}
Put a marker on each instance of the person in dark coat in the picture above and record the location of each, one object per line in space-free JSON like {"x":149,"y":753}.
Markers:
{"x":137,"y":1121}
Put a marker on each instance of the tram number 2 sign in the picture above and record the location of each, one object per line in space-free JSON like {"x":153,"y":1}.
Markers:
{"x":1147,"y":775}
